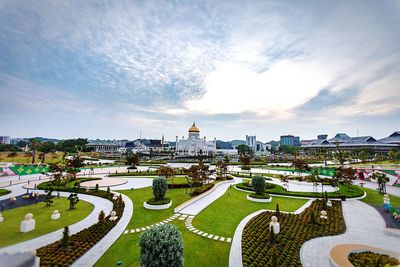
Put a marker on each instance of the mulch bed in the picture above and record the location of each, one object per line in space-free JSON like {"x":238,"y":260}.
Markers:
{"x":20,"y":202}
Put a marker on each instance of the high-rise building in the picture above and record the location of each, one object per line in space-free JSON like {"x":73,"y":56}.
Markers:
{"x":251,"y":142}
{"x":287,"y":140}
{"x":6,"y":140}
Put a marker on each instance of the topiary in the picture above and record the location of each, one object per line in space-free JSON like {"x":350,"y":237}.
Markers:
{"x":160,"y":186}
{"x":161,"y":246}
{"x":258,"y":184}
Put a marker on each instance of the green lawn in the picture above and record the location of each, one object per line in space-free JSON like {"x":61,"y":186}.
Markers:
{"x":375,"y":198}
{"x":21,"y":157}
{"x":9,"y":228}
{"x":143,"y":217}
{"x":198,"y":251}
{"x":223,"y":216}
{"x":4,"y":192}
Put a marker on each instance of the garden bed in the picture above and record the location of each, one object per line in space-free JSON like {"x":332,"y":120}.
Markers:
{"x":71,"y":186}
{"x":296,"y":229}
{"x":152,"y":204}
{"x":369,"y":258}
{"x":55,"y":255}
{"x":259,"y":198}
{"x":343,"y":192}
{"x":4,"y":192}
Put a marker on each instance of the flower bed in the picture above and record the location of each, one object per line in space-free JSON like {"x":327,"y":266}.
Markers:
{"x":55,"y":255}
{"x":295,"y":230}
{"x":369,"y":258}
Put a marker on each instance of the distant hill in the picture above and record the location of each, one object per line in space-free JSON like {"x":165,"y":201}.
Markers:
{"x":235,"y":143}
{"x":224,"y":145}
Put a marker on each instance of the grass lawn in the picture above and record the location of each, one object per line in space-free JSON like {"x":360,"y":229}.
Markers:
{"x":375,"y":198}
{"x":4,"y":192}
{"x":223,"y":215}
{"x":9,"y":228}
{"x":179,"y":179}
{"x":21,"y":157}
{"x":143,"y":217}
{"x":198,"y":251}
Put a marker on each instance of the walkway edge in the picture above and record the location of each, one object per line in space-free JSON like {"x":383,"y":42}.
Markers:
{"x":95,"y":253}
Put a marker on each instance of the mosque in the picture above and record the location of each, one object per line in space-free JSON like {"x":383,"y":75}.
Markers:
{"x":194,"y":145}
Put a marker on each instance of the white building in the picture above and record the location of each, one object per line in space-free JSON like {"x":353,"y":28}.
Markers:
{"x":194,"y":145}
{"x":251,"y":142}
{"x":6,"y":140}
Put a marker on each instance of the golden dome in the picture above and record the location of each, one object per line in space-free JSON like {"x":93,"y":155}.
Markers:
{"x":194,"y":129}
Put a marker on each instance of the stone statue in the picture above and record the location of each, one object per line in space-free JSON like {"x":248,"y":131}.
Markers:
{"x":56,"y":215}
{"x":1,"y":217}
{"x":329,"y":203}
{"x":274,"y":225}
{"x":28,"y":224}
{"x":113,"y":216}
{"x":324,"y":215}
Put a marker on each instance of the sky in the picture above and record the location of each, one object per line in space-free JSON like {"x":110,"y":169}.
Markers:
{"x":113,"y":69}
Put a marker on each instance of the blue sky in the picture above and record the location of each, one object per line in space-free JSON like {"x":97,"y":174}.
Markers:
{"x":108,"y":69}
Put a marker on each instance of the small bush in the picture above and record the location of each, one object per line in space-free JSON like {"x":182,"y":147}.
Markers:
{"x":262,"y":196}
{"x":153,"y":201}
{"x":160,"y":186}
{"x":258,"y":183}
{"x":161,"y":246}
{"x":369,"y":258}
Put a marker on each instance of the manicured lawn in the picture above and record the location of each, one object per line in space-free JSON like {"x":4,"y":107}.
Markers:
{"x":143,"y":217}
{"x":223,"y":215}
{"x":375,"y":198}
{"x":178,"y":180}
{"x":9,"y":228}
{"x":198,"y":251}
{"x":21,"y":157}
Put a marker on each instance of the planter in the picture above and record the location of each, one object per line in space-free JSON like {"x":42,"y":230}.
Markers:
{"x":264,"y":200}
{"x":157,"y":207}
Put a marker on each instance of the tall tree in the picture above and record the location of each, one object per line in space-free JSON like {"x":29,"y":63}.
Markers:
{"x":345,"y":175}
{"x":382,"y":179}
{"x":222,"y":168}
{"x":57,"y":170}
{"x":34,"y":144}
{"x":46,"y":147}
{"x":131,"y":158}
{"x":244,"y":150}
{"x":74,"y":164}
{"x":167,"y":172}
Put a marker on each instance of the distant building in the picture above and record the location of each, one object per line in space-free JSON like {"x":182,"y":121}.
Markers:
{"x":290,"y":140}
{"x":344,"y":142}
{"x":194,"y":145}
{"x":251,"y":142}
{"x":103,"y":146}
{"x":5,"y":140}
{"x":394,"y":138}
{"x":322,"y":137}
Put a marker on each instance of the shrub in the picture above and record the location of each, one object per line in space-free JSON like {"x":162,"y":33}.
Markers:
{"x":153,"y":201}
{"x":261,"y":196}
{"x":65,"y":238}
{"x":372,"y":259}
{"x":258,"y":183}
{"x":161,"y":246}
{"x":160,"y":186}
{"x":102,"y":217}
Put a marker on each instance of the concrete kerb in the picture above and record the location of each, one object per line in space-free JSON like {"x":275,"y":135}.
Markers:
{"x":94,"y":254}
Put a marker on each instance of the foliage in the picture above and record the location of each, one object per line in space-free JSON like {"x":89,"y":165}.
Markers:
{"x":72,"y":186}
{"x":160,"y":186}
{"x":245,"y":160}
{"x":345,"y":175}
{"x":200,"y":190}
{"x":161,"y":246}
{"x":244,"y":150}
{"x":102,"y":217}
{"x":369,"y":258}
{"x":382,"y":179}
{"x":154,"y":201}
{"x":49,"y":198}
{"x":57,"y":170}
{"x":69,"y":145}
{"x":301,"y":165}
{"x":73,"y":200}
{"x":4,"y":192}
{"x":296,"y":230}
{"x":167,"y":172}
{"x":260,"y":196}
{"x":223,"y":168}
{"x":12,"y":148}
{"x":258,"y":184}
{"x":198,"y":173}
{"x":96,"y":188}
{"x":65,"y":238}
{"x":131,"y":158}
{"x":73,"y":165}
{"x":277,"y":212}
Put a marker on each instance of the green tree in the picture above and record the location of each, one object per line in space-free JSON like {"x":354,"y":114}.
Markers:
{"x":345,"y":175}
{"x":132,"y":159}
{"x":160,"y":186}
{"x":258,"y":184}
{"x":222,"y":167}
{"x":65,"y":238}
{"x":73,"y":200}
{"x":167,"y":172}
{"x":74,"y":164}
{"x":34,"y":144}
{"x":227,"y":159}
{"x":57,"y":170}
{"x":45,"y":148}
{"x":48,"y":199}
{"x":382,"y":179}
{"x":161,"y":246}
{"x":102,"y":217}
{"x":244,"y":150}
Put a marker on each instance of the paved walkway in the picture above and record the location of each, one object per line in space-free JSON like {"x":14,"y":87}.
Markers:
{"x":198,"y":205}
{"x":94,"y":254}
{"x":364,"y":226}
{"x":33,"y":244}
{"x":392,"y":190}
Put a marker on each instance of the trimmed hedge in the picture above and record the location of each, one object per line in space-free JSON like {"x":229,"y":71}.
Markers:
{"x":263,"y":196}
{"x":344,"y":191}
{"x":258,"y":184}
{"x":153,"y":201}
{"x":69,"y":187}
{"x":296,"y":229}
{"x":199,"y":190}
{"x":56,"y":255}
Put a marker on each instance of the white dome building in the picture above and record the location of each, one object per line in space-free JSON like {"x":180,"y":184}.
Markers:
{"x":194,"y":145}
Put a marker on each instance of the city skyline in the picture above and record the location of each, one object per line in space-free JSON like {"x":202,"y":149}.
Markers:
{"x":264,"y":68}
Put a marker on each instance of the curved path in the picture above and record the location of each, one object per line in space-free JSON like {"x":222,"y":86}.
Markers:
{"x":364,"y":225}
{"x":197,"y":205}
{"x":33,"y":244}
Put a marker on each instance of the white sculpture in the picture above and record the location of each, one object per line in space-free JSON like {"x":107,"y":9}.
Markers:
{"x":386,"y":199}
{"x":28,"y":224}
{"x":113,"y":216}
{"x":324,"y":215}
{"x":115,"y":197}
{"x":1,"y":217}
{"x":274,"y":225}
{"x":329,"y":203}
{"x":56,"y":215}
